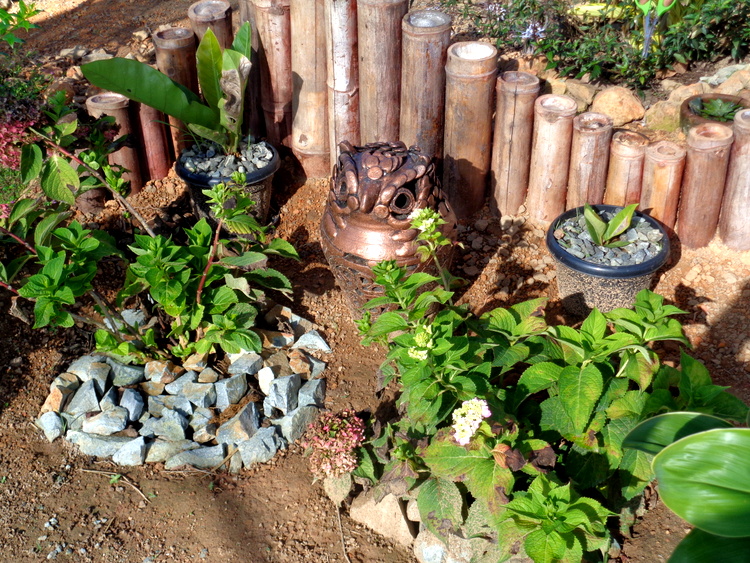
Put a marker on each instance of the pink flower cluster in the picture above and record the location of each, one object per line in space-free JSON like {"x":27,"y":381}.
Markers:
{"x":12,"y":135}
{"x":332,"y":443}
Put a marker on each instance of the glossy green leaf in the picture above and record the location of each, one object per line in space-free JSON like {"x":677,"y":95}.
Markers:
{"x":655,"y":434}
{"x":620,"y":222}
{"x":594,"y":224}
{"x":705,"y":479}
{"x":31,"y":162}
{"x":702,"y":547}
{"x":58,"y":180}
{"x":579,"y":390}
{"x":209,"y":59}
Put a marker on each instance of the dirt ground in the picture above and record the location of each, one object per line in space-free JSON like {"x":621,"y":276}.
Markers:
{"x":57,"y":504}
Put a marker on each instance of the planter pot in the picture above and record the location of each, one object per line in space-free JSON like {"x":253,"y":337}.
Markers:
{"x":688,"y":117}
{"x":584,"y":285}
{"x":257,"y":187}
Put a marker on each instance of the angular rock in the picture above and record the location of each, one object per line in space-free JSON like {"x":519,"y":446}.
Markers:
{"x":123,"y":375}
{"x":51,"y":424}
{"x":132,"y":401}
{"x":620,"y":104}
{"x":205,"y":434}
{"x":175,"y":388}
{"x":283,"y":316}
{"x":313,"y":342}
{"x":428,"y":548}
{"x":265,"y":377}
{"x":318,"y":367}
{"x":106,"y":423}
{"x":56,"y":400}
{"x":132,"y":453}
{"x":200,"y":394}
{"x":261,"y":447}
{"x":235,"y":463}
{"x":200,"y":458}
{"x":196,"y":363}
{"x":313,"y":393}
{"x":134,"y":317}
{"x":160,"y":404}
{"x":275,"y":338}
{"x":296,"y":423}
{"x":279,"y":363}
{"x":387,"y":517}
{"x":67,"y":381}
{"x":99,"y":373}
{"x":581,"y":91}
{"x":170,"y":426}
{"x":412,"y":511}
{"x":248,"y":364}
{"x":152,"y":389}
{"x":200,"y":417}
{"x":72,"y":422}
{"x":299,"y":362}
{"x":80,"y":367}
{"x":230,"y":391}
{"x":161,"y":450}
{"x":208,"y":376}
{"x":109,"y":400}
{"x":158,"y":371}
{"x":268,"y":410}
{"x":99,"y":446}
{"x":682,"y":93}
{"x":737,"y":82}
{"x":240,"y":427}
{"x":283,"y":391}
{"x":85,"y":399}
{"x":664,"y":116}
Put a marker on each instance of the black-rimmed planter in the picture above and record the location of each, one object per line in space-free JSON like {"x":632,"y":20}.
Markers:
{"x":584,"y":285}
{"x":257,"y":187}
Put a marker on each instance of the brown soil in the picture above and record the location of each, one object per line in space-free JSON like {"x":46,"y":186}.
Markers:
{"x":275,"y":513}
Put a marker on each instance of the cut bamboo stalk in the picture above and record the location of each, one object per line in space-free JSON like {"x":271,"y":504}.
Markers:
{"x":734,"y":226}
{"x":708,"y":148}
{"x":156,"y":158}
{"x":309,"y":103}
{"x":117,"y":106}
{"x":511,"y":145}
{"x":275,"y":57}
{"x":589,"y":157}
{"x":625,"y":173}
{"x":550,"y":157}
{"x":471,"y":71}
{"x":175,"y":57}
{"x":426,"y":35}
{"x":253,"y":113}
{"x":379,"y":46}
{"x":214,"y":14}
{"x":343,"y":74}
{"x":663,"y":166}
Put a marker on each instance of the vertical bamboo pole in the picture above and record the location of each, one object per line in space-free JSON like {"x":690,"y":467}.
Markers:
{"x":471,"y":71}
{"x":708,"y":147}
{"x":550,"y":156}
{"x":275,"y":57}
{"x":734,"y":225}
{"x":253,"y":114}
{"x":156,"y":155}
{"x":379,"y":38}
{"x":117,"y":106}
{"x":663,"y":165}
{"x":175,"y":57}
{"x":426,"y":34}
{"x":216,"y":14}
{"x":625,"y":172}
{"x":511,"y":144}
{"x":589,"y":157}
{"x":309,"y":103}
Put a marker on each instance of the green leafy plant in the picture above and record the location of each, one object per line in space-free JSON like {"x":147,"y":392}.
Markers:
{"x":222,"y":76}
{"x":11,"y":22}
{"x":701,"y":465}
{"x":715,"y":109}
{"x":603,"y":233}
{"x":511,"y":431}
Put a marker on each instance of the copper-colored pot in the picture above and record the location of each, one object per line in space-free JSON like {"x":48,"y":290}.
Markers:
{"x":373,"y":191}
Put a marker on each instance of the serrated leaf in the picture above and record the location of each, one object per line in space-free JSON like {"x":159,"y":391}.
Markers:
{"x":245,"y":259}
{"x":440,"y":506}
{"x":31,"y":162}
{"x":579,"y":389}
{"x":545,"y":548}
{"x":635,"y":473}
{"x":58,"y":180}
{"x":282,"y":248}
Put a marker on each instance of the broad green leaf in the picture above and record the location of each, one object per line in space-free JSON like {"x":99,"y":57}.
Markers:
{"x":490,"y":483}
{"x":594,"y":326}
{"x":510,"y":356}
{"x":635,"y":473}
{"x":702,"y":547}
{"x":21,"y":209}
{"x":705,"y":479}
{"x":655,"y":434}
{"x":243,"y":40}
{"x":31,"y":162}
{"x":620,"y":222}
{"x":58,"y":180}
{"x":271,"y":279}
{"x":545,"y":548}
{"x":209,"y":61}
{"x":534,"y":379}
{"x":388,"y":322}
{"x":282,"y":248}
{"x":245,"y":259}
{"x":594,"y":224}
{"x":579,"y":390}
{"x":440,"y":506}
{"x":554,"y":417}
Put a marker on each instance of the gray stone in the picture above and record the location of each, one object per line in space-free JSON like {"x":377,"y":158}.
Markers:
{"x":280,"y":316}
{"x":133,"y":402}
{"x":196,"y":363}
{"x":66,"y":381}
{"x":312,"y":341}
{"x":161,"y":450}
{"x":261,"y":447}
{"x":248,"y":364}
{"x":109,"y":400}
{"x":312,"y":393}
{"x":72,"y":421}
{"x":134,"y":317}
{"x":80,"y":367}
{"x":200,"y":394}
{"x":158,"y":371}
{"x":200,"y":418}
{"x":175,"y":388}
{"x":123,"y":375}
{"x":51,"y":424}
{"x":99,"y":446}
{"x":85,"y":400}
{"x":160,"y":404}
{"x":132,"y":453}
{"x":293,"y":425}
{"x":171,"y":426}
{"x":203,"y":430}
{"x":208,"y":376}
{"x":279,"y":363}
{"x":275,"y":338}
{"x":428,"y":548}
{"x":283,"y":391}
{"x":240,"y":427}
{"x":108,"y":422}
{"x":387,"y":517}
{"x":151,"y":388}
{"x":235,"y":463}
{"x":230,"y":391}
{"x":99,"y":373}
{"x":201,"y":458}
{"x":268,"y":410}
{"x":318,"y":367}
{"x":95,"y":55}
{"x":265,"y":377}
{"x":205,"y":434}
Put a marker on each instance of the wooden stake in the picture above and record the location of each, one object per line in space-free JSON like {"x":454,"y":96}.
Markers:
{"x":625,"y":168}
{"x":663,"y":166}
{"x":550,"y":157}
{"x":589,"y":157}
{"x":511,"y":145}
{"x":253,"y":109}
{"x":216,"y":14}
{"x":734,"y":225}
{"x":157,"y":158}
{"x":426,"y":35}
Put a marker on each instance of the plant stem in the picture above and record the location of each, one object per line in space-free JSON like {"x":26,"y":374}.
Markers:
{"x":19,"y":240}
{"x":8,"y":287}
{"x":209,"y":262}
{"x":113,"y":316}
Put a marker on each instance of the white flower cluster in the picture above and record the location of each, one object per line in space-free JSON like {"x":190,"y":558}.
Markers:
{"x":424,"y":219}
{"x":423,"y":342}
{"x":468,"y":417}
